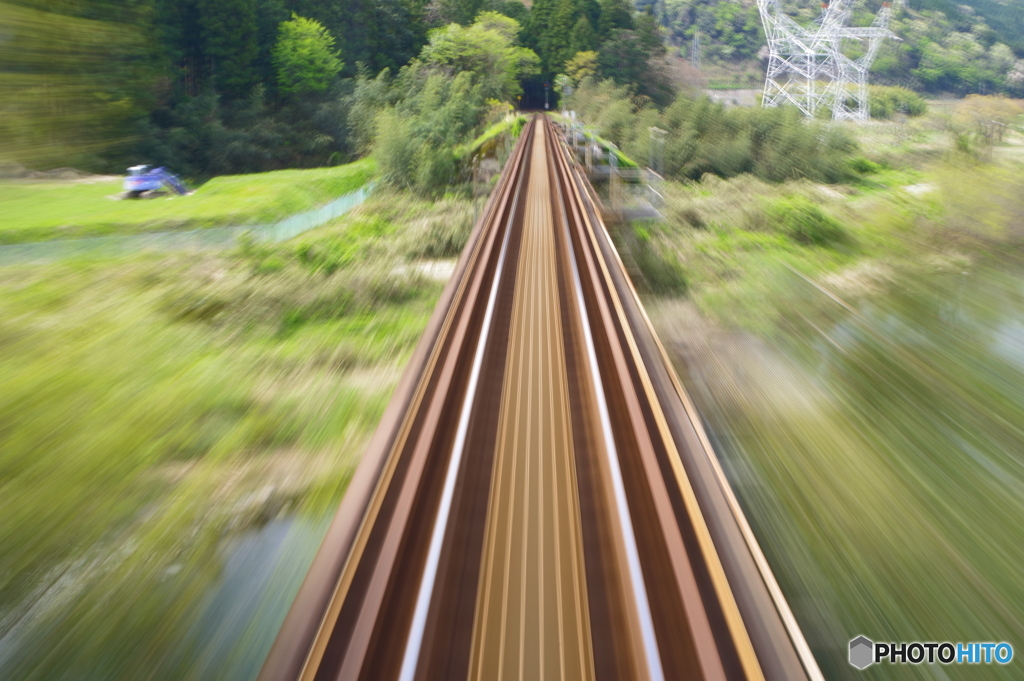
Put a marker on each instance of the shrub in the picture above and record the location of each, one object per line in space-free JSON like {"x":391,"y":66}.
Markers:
{"x":416,"y":138}
{"x":888,"y":101}
{"x":333,"y":252}
{"x":864,"y":166}
{"x":659,"y":270}
{"x":805,"y":222}
{"x":447,"y":234}
{"x":775,"y":144}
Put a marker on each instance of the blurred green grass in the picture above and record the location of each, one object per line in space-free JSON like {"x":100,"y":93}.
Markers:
{"x":866,"y":396}
{"x":35,"y":210}
{"x":152,"y":406}
{"x":731,"y":243}
{"x":878,"y":455}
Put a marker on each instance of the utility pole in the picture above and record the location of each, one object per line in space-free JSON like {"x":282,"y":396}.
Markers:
{"x":615,"y":182}
{"x":656,"y":158}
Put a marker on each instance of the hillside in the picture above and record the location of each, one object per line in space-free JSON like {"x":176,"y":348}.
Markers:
{"x":1006,"y":18}
{"x":974,"y":47}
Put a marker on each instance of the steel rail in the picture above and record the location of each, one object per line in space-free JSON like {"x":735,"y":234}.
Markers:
{"x":539,"y":500}
{"x":650,"y":643}
{"x":780,"y":644}
{"x":301,"y":644}
{"x":412,"y":651}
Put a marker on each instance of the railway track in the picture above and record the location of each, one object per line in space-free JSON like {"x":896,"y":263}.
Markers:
{"x":539,"y":500}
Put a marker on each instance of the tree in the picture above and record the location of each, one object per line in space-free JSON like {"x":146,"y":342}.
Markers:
{"x":615,"y":14}
{"x":371,"y":96}
{"x":626,"y":58}
{"x":649,"y":35}
{"x":377,"y":33}
{"x":622,"y":57}
{"x":516,"y":10}
{"x":562,"y":22}
{"x":582,"y":65}
{"x":396,"y":33}
{"x":269,"y":15}
{"x":304,"y":58}
{"x":583,"y":37}
{"x":229,"y":33}
{"x":487,"y":50}
{"x":538,"y":31}
{"x":453,"y":11}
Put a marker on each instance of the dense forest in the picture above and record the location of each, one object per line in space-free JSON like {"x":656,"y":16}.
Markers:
{"x":218,"y":86}
{"x":210,"y":87}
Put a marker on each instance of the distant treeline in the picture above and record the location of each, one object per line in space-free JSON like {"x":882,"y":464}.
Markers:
{"x":219,"y":86}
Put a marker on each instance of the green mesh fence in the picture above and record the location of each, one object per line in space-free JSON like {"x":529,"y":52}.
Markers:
{"x":196,"y":239}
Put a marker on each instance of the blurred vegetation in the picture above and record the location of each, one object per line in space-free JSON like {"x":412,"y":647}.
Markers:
{"x":213,"y":87}
{"x":436,"y":103}
{"x":653,"y":269}
{"x":910,"y":195}
{"x":154,"y":405}
{"x":37,"y":210}
{"x":887,"y":102}
{"x":864,"y":393}
{"x":803,"y":221}
{"x":509,"y":125}
{"x":733,"y":239}
{"x":978,"y":123}
{"x":869,"y":447}
{"x":704,"y":137}
{"x":73,"y":83}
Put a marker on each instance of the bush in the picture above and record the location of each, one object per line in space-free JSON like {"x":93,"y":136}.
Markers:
{"x":659,"y":270}
{"x":864,"y":166}
{"x":775,"y":144}
{"x":333,"y":252}
{"x":805,"y":222}
{"x":886,"y":102}
{"x":416,"y":139}
{"x":448,"y":232}
{"x":395,"y":150}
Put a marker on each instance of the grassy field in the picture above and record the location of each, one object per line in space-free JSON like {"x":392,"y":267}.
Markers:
{"x":878,"y":456}
{"x":857,"y":353}
{"x":731,"y":244}
{"x":152,"y":407}
{"x":43,"y":210}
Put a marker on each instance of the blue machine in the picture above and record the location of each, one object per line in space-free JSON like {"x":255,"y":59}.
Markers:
{"x":148,"y":181}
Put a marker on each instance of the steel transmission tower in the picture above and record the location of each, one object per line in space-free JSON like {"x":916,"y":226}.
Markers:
{"x":806,"y":64}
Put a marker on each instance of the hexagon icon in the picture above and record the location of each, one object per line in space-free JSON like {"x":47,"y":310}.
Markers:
{"x":862,"y":652}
